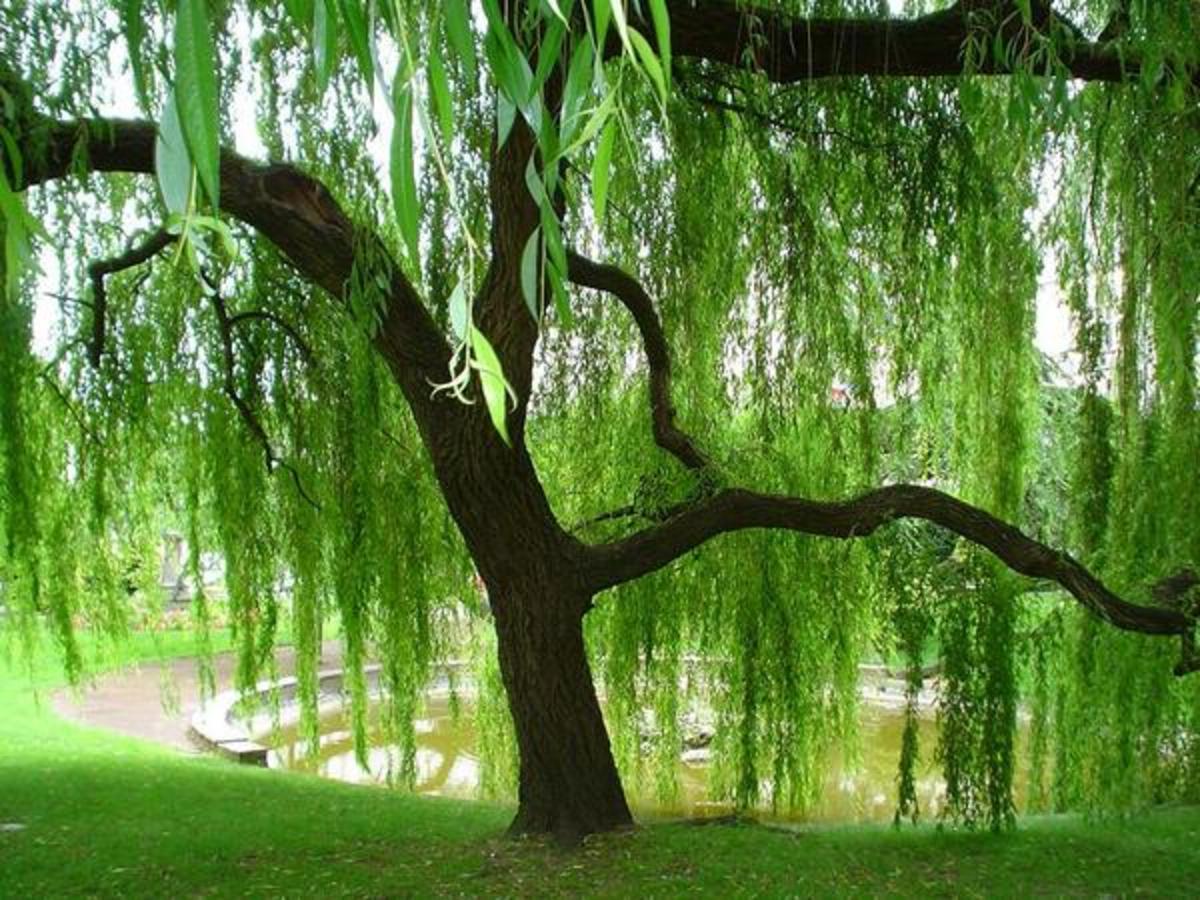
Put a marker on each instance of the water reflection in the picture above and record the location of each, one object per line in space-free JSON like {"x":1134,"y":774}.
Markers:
{"x":447,"y":765}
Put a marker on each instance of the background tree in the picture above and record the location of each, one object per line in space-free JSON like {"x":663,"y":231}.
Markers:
{"x":341,"y":369}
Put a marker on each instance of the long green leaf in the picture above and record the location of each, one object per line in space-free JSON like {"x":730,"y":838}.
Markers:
{"x":404,"y":181}
{"x":458,"y":31}
{"x":491,"y":377}
{"x":531,"y":259}
{"x":595,"y":122}
{"x":358,"y":29}
{"x":549,"y":51}
{"x":602,"y":15}
{"x":439,"y":91}
{"x":662,"y":34}
{"x":576,"y":88}
{"x":134,"y":26}
{"x":301,"y":12}
{"x":196,"y":93}
{"x":510,"y":67}
{"x":324,"y":41}
{"x":172,"y":166}
{"x":533,"y":182}
{"x":650,"y":63}
{"x":506,"y":117}
{"x":561,"y":302}
{"x":556,"y":250}
{"x":600,"y":166}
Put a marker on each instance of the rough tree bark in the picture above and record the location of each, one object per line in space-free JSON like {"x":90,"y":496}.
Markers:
{"x":568,"y":783}
{"x":540,"y":579}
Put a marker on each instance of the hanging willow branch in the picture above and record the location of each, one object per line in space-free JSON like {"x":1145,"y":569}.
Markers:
{"x":70,"y":407}
{"x":704,"y":93}
{"x":265,"y":315}
{"x":733,"y":510}
{"x":137,"y":254}
{"x":271,"y":459}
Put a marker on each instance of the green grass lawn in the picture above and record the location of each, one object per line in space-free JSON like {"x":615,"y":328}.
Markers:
{"x":110,"y":816}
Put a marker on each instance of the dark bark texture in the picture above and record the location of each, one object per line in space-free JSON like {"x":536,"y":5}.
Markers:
{"x":568,"y":784}
{"x":787,"y":49}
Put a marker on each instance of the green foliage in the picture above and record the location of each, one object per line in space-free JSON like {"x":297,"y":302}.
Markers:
{"x":172,"y":164}
{"x":404,"y":184}
{"x":847,"y":275}
{"x":195,"y":93}
{"x":496,"y":390}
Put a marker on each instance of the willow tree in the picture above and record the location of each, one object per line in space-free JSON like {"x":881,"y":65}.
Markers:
{"x":803,"y":212}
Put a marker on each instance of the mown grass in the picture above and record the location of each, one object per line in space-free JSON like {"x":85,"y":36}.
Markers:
{"x":110,"y":816}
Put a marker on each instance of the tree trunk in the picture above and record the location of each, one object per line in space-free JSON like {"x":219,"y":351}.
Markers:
{"x":568,"y":781}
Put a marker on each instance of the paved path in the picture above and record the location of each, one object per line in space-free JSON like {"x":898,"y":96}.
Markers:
{"x":155,"y":701}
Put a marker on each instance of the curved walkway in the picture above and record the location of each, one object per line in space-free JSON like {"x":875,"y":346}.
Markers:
{"x":155,"y":701}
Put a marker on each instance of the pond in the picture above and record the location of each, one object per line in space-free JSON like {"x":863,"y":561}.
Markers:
{"x":448,"y":765}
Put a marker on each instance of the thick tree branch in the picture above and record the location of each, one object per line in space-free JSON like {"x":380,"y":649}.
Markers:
{"x":629,"y":291}
{"x":788,"y":49}
{"x":735,"y":510}
{"x":137,"y":254}
{"x":292,"y":210}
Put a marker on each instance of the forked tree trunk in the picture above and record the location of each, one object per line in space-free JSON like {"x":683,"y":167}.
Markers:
{"x":568,"y":783}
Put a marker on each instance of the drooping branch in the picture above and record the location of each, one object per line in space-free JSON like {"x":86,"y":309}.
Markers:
{"x":789,"y":49}
{"x":621,"y":512}
{"x":781,"y":122}
{"x":632,"y":510}
{"x":271,"y":459}
{"x":629,"y":291}
{"x":265,"y":315}
{"x":70,"y":407}
{"x":735,"y":510}
{"x":137,"y":254}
